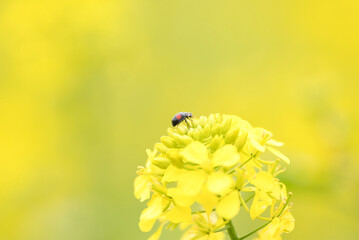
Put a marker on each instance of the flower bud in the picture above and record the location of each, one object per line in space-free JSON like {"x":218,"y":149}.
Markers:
{"x":161,"y":162}
{"x":161,"y":147}
{"x":182,"y":140}
{"x":206,"y":131}
{"x":194,"y":123}
{"x":216,"y":143}
{"x":168,"y":141}
{"x":190,"y":132}
{"x":175,"y":157}
{"x":202,"y":121}
{"x":226,"y":124}
{"x":211,"y":120}
{"x":232,"y":135}
{"x":181,"y":129}
{"x":196,"y":134}
{"x":157,"y":171}
{"x":171,"y":131}
{"x":218,"y":117}
{"x":216,"y":129}
{"x":241,"y":140}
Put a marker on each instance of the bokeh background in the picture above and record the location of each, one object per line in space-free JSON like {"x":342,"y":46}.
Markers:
{"x":87,"y":86}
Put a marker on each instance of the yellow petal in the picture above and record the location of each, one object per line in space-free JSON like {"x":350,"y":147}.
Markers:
{"x":142,"y":188}
{"x":180,"y":197}
{"x":260,"y":203}
{"x":190,"y":234}
{"x":146,"y":225}
{"x":279,"y":154}
{"x":150,"y":156}
{"x":195,"y":153}
{"x":185,"y":225}
{"x":283,"y":191}
{"x":255,"y":144}
{"x":272,"y":231}
{"x":274,"y":143}
{"x":257,"y":209}
{"x":154,"y":208}
{"x":171,"y":174}
{"x":157,"y":234}
{"x":179,"y":214}
{"x":228,"y":206}
{"x":248,"y":189}
{"x":219,"y":183}
{"x":263,"y":181}
{"x":276,"y":190}
{"x":216,"y":236}
{"x":287,"y":221}
{"x":226,"y":156}
{"x":191,"y":182}
{"x":207,"y":200}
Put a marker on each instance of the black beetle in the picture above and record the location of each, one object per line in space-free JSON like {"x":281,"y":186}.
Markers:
{"x":179,"y":117}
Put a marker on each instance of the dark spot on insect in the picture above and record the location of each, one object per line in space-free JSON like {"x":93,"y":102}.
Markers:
{"x":180,"y":117}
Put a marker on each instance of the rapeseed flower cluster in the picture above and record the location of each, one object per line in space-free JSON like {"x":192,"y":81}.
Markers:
{"x":200,"y":176}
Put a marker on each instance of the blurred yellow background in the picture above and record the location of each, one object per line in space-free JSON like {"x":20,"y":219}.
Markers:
{"x":87,"y":86}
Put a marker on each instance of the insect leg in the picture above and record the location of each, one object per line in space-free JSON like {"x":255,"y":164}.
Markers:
{"x":186,"y":122}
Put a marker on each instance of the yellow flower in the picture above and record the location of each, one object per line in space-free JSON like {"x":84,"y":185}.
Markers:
{"x":268,"y":189}
{"x":205,"y":228}
{"x":260,"y":203}
{"x":279,"y":225}
{"x":202,"y":173}
{"x":198,"y":175}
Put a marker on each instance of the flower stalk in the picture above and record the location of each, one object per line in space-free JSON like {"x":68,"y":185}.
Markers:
{"x":231,"y":231}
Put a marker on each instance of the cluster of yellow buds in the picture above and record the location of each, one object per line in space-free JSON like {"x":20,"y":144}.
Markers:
{"x":204,"y":171}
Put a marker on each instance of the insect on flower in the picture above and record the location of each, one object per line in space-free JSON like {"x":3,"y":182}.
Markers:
{"x":202,"y":175}
{"x":179,"y":117}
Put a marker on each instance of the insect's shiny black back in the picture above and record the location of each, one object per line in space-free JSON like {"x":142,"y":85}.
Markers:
{"x":176,"y":121}
{"x":183,"y":115}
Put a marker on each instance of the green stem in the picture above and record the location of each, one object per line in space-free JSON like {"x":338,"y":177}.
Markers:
{"x":221,"y":229}
{"x":247,"y":161}
{"x":254,"y":231}
{"x":286,"y":203}
{"x":231,"y":231}
{"x":233,"y":170}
